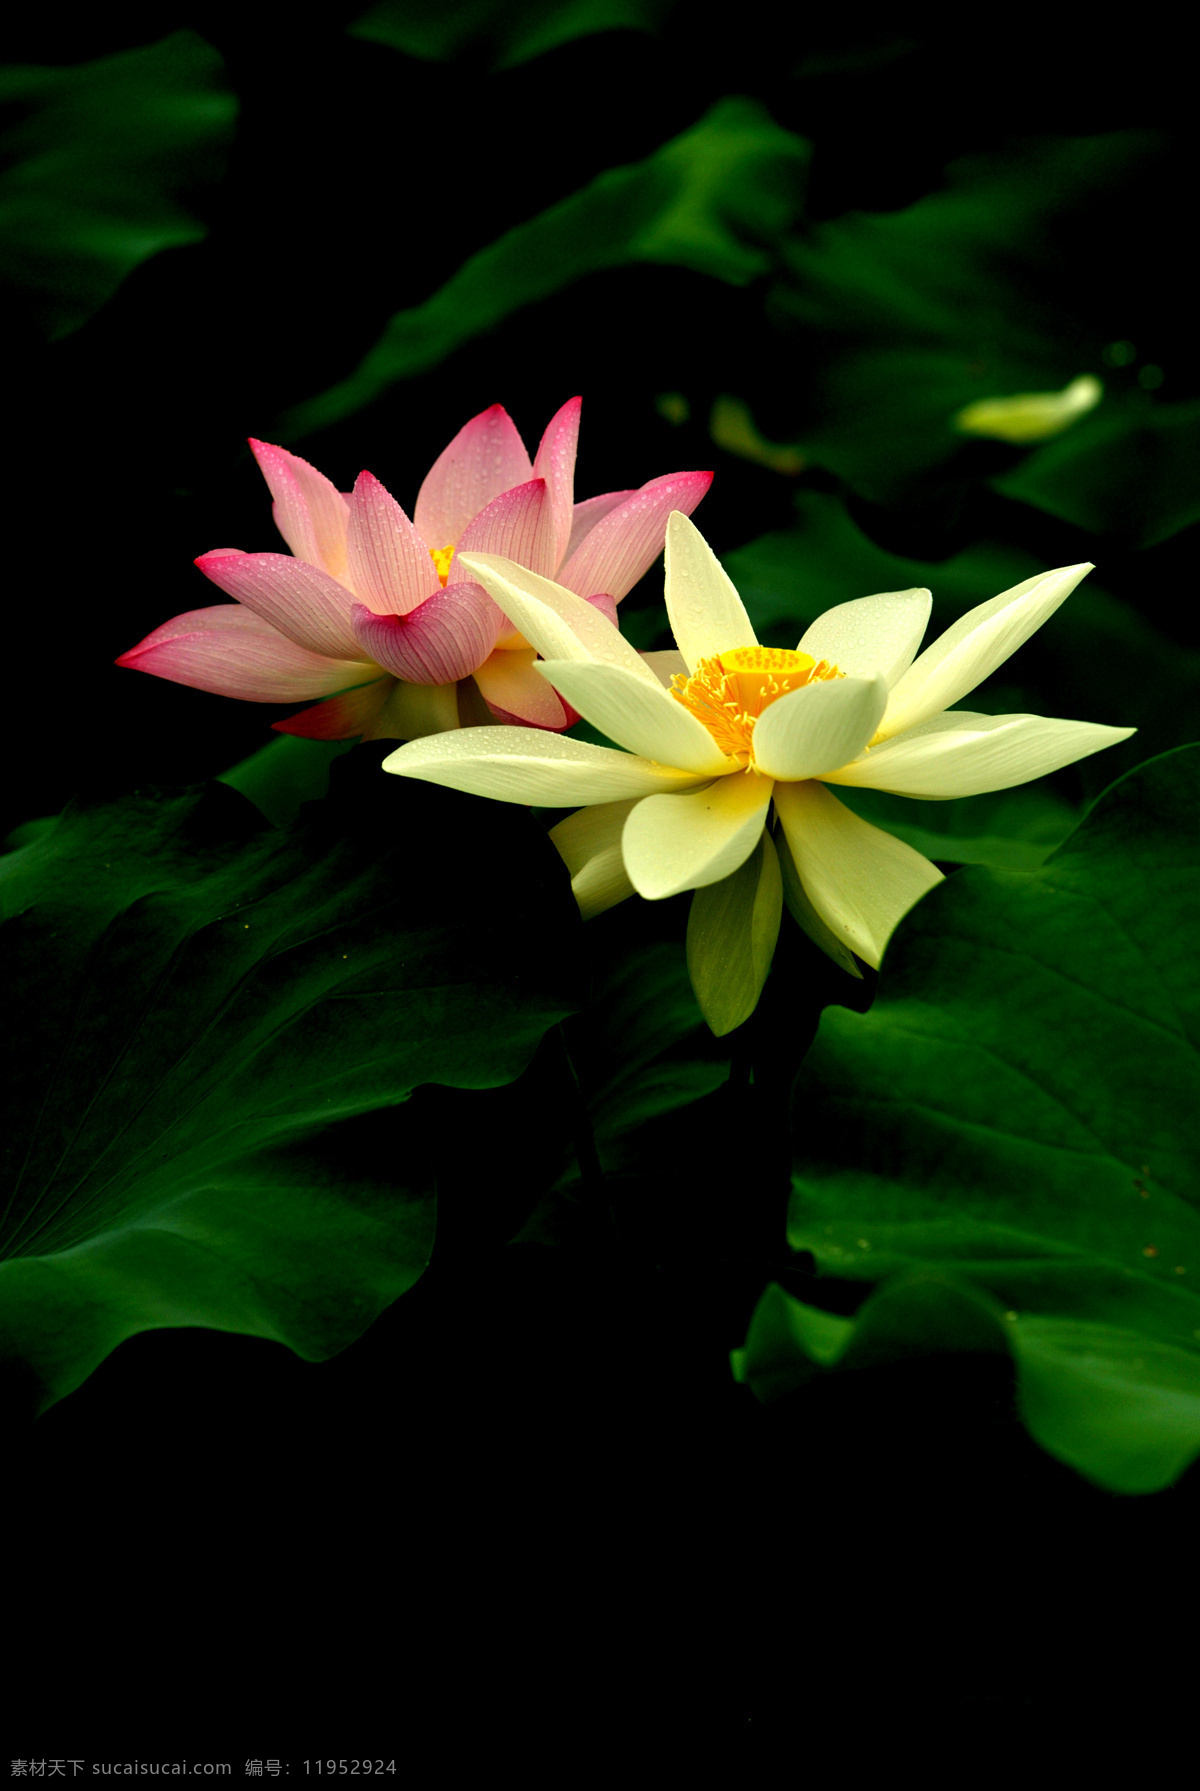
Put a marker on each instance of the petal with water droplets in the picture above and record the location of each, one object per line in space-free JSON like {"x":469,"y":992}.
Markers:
{"x":486,"y":457}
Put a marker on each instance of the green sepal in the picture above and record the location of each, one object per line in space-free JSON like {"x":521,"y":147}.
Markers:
{"x":732,"y":929}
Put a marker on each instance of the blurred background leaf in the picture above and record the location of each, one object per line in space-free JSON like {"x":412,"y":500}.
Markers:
{"x":999,"y":283}
{"x":102,"y":166}
{"x":715,"y":200}
{"x":500,"y":33}
{"x":1133,"y":473}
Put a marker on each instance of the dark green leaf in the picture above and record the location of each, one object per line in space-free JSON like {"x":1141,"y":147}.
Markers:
{"x":996,"y":285}
{"x":284,"y":774}
{"x":498,"y":31}
{"x":1014,"y":1118}
{"x":191,"y":994}
{"x":1131,"y":471}
{"x":101,"y":164}
{"x":647,"y":1066}
{"x":716,"y":199}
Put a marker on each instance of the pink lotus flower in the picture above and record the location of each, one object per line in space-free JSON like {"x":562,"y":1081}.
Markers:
{"x":367,"y":612}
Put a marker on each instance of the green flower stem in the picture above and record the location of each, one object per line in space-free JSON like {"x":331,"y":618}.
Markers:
{"x":583,"y":1140}
{"x":768,"y":1051}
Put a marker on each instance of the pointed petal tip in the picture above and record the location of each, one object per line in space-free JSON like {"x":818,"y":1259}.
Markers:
{"x":1078,"y":571}
{"x":369,"y":482}
{"x":264,"y":452}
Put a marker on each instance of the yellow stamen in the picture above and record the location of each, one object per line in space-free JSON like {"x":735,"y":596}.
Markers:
{"x":729,"y":692}
{"x":441,"y":557}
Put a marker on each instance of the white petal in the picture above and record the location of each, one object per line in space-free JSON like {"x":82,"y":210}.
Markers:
{"x":683,"y":842}
{"x":666,"y":663}
{"x":960,"y":754}
{"x":871,"y":634}
{"x":805,"y":915}
{"x":818,"y":727}
{"x":707,"y":615}
{"x":859,"y":879}
{"x":975,"y":645}
{"x":527,"y":765}
{"x":589,"y":844}
{"x":552,"y":619}
{"x":640,"y":716}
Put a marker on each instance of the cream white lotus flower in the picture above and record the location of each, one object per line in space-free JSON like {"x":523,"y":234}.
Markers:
{"x":732,"y":748}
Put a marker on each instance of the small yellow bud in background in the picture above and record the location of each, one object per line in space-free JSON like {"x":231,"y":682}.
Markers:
{"x":1030,"y":416}
{"x":733,"y":428}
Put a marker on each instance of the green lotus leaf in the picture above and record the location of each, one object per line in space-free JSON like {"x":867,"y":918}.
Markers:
{"x":102,"y":163}
{"x":717,"y":199}
{"x":1131,"y":471}
{"x":498,"y":31}
{"x":217,"y":1036}
{"x":996,"y":284}
{"x":1007,"y":1140}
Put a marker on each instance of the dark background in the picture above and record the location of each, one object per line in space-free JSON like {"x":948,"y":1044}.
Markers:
{"x":530,"y":1503}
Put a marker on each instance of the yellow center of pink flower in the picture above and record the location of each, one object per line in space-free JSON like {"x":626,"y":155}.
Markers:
{"x":729,"y":692}
{"x":441,"y":557}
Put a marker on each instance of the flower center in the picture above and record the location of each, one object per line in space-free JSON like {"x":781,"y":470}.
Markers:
{"x":729,"y":692}
{"x":441,"y":557}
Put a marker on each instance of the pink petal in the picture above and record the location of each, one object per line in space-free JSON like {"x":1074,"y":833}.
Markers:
{"x":440,"y":641}
{"x":388,"y":564}
{"x":555,"y":463}
{"x":518,"y":699}
{"x":310,"y":512}
{"x":232,"y":652}
{"x":518,"y":524}
{"x":342,"y":717}
{"x":627,"y":541}
{"x":585,"y":516}
{"x":300,"y":600}
{"x":515,"y":693}
{"x":605,"y":604}
{"x":486,"y":457}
